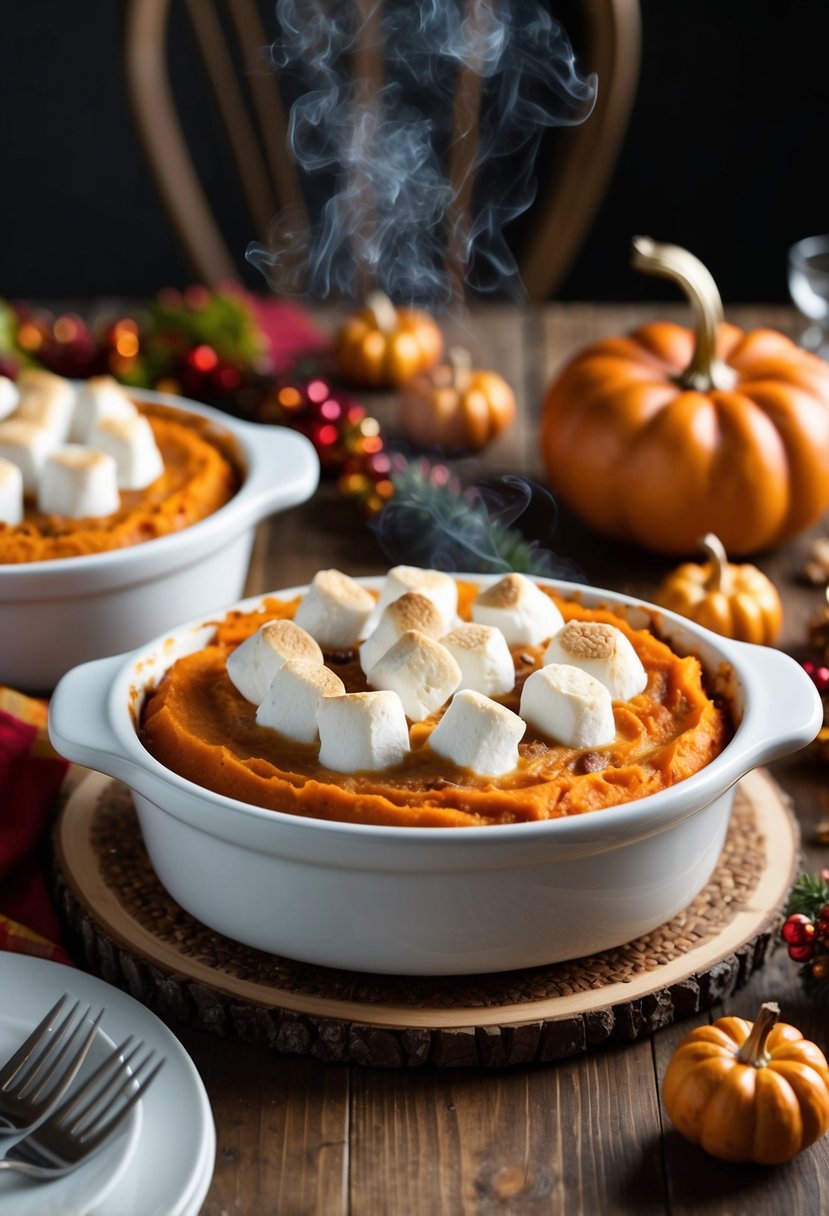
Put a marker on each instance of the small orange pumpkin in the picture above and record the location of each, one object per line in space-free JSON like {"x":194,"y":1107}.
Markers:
{"x":748,"y":1092}
{"x":737,"y":601}
{"x":382,"y":346}
{"x":455,"y":406}
{"x":668,"y":433}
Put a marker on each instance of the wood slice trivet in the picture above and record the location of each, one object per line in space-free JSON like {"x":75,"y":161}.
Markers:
{"x":123,"y":926}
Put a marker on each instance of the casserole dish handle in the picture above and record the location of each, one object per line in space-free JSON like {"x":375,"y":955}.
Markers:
{"x":79,"y":724}
{"x":783,"y":711}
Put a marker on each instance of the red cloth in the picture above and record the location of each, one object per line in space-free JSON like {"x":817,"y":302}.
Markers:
{"x":289,"y":330}
{"x":31,"y":777}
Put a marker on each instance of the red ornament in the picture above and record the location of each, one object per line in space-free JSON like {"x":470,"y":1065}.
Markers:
{"x":798,"y":930}
{"x":801,"y":954}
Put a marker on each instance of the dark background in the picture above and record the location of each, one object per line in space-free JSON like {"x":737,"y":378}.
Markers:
{"x":726,"y":153}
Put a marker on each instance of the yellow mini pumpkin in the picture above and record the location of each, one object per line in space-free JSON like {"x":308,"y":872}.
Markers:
{"x":669,"y":432}
{"x":748,"y":1091}
{"x":382,"y":346}
{"x":737,"y":601}
{"x":455,"y":406}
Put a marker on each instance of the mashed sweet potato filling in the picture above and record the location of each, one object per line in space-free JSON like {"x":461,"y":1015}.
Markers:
{"x":198,"y":725}
{"x":199,"y":477}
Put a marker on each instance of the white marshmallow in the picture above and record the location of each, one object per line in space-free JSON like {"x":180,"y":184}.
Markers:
{"x":255,"y":662}
{"x":604,"y":652}
{"x":569,"y":705}
{"x":421,"y":671}
{"x":334,"y":610}
{"x":28,"y":447}
{"x":436,"y":585}
{"x":362,"y":731}
{"x":132,"y":443}
{"x":97,"y":398}
{"x":11,"y":493}
{"x":78,"y":482}
{"x":482,"y":653}
{"x":9,"y":397}
{"x":409,"y":611}
{"x":291,"y":703}
{"x":478,"y":733}
{"x":519,"y":608}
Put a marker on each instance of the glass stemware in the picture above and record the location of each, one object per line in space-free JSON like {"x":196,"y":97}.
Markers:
{"x":808,"y":279}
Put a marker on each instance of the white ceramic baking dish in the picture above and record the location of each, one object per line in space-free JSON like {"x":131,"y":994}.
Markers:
{"x":435,"y":900}
{"x":56,"y":614}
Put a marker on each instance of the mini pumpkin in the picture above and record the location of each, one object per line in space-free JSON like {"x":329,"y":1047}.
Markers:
{"x":456,"y":406}
{"x":382,"y":346}
{"x":667,"y":433}
{"x":748,"y":1091}
{"x":737,"y":601}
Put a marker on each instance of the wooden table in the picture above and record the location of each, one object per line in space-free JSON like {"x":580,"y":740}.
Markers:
{"x":587,"y":1135}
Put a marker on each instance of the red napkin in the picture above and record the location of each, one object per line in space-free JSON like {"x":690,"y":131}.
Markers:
{"x":31,"y":777}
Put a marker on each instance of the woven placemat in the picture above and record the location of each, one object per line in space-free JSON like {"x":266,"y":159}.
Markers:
{"x":125,"y":927}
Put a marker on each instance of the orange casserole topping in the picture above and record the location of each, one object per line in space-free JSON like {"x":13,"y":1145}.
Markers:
{"x":197,"y":724}
{"x":199,"y":477}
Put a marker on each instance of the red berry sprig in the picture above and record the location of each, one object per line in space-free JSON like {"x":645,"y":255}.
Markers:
{"x":805,"y":932}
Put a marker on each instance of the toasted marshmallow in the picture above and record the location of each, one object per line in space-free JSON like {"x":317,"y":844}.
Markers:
{"x":52,"y":411}
{"x":478,"y":733}
{"x":421,"y":671}
{"x":604,"y":652}
{"x":519,"y":608}
{"x":362,"y":731}
{"x":255,"y":662}
{"x":46,"y":400}
{"x":78,"y":482}
{"x":97,"y":398}
{"x":409,"y":611}
{"x":9,"y":397}
{"x":11,"y":493}
{"x":334,"y":610}
{"x":437,"y":586}
{"x":290,"y":705}
{"x":482,"y":653}
{"x":132,"y":443}
{"x":569,"y":705}
{"x":27,"y":446}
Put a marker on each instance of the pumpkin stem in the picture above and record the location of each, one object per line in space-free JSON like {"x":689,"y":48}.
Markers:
{"x":460,"y":361}
{"x":384,"y":312}
{"x":706,"y":370}
{"x":718,"y":577}
{"x":753,"y":1050}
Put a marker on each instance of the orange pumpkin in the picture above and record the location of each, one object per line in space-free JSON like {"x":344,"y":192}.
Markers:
{"x":737,"y":601}
{"x":668,"y":433}
{"x":748,"y":1092}
{"x":382,"y":346}
{"x":455,"y":406}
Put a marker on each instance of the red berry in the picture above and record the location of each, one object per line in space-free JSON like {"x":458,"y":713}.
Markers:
{"x":801,"y":954}
{"x":798,"y":929}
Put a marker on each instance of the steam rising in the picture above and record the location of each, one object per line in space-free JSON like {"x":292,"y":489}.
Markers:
{"x":423,"y":155}
{"x":431,"y":521}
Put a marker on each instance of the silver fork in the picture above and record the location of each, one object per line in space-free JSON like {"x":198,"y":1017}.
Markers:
{"x":39,"y":1073}
{"x":89,"y":1118}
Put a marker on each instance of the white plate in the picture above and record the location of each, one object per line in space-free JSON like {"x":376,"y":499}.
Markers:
{"x":168,"y":1168}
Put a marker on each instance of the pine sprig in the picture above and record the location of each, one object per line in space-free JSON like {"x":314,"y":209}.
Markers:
{"x":432,"y":521}
{"x":808,"y":896}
